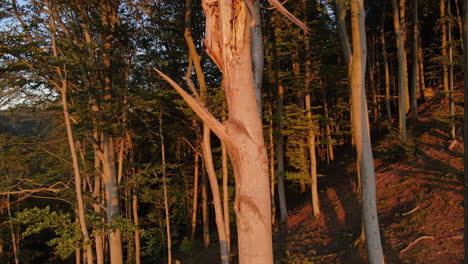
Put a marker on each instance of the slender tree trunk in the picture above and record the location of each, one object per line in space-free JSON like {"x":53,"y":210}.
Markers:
{"x":226,"y":195}
{"x":401,"y":71}
{"x":242,"y":132}
{"x":195,"y":196}
{"x":206,"y":144}
{"x":166,"y":204}
{"x":444,"y":47}
{"x":331,"y":153}
{"x":271,"y":145}
{"x":465,"y":120}
{"x":387,"y":77}
{"x":79,"y":196}
{"x":313,"y":158}
{"x":279,"y":131}
{"x":450,"y":74}
{"x":136,"y":222}
{"x":422,"y":79}
{"x":459,"y":22}
{"x":415,"y":64}
{"x":205,"y":214}
{"x":14,"y":236}
{"x":372,"y":81}
{"x":361,"y":128}
{"x":402,"y":14}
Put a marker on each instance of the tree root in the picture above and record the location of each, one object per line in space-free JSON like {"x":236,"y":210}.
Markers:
{"x":415,"y":242}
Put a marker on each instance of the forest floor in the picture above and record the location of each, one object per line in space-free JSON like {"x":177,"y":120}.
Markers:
{"x":419,"y":200}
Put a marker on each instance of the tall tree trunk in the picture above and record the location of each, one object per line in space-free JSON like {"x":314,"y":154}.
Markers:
{"x":166,"y":204}
{"x":279,"y":134}
{"x":257,"y":55}
{"x":465,"y":120}
{"x":195,"y":196}
{"x":271,"y":146}
{"x":402,"y":14}
{"x":422,"y":79}
{"x":136,"y":222}
{"x":79,"y":196}
{"x":443,"y":28}
{"x":206,"y":144}
{"x":401,"y":71}
{"x":228,"y":42}
{"x":387,"y":77}
{"x":450,"y":74}
{"x":14,"y":235}
{"x":313,"y":158}
{"x":361,"y":128}
{"x":459,"y":22}
{"x":205,"y":208}
{"x":226,"y":195}
{"x":414,"y":75}
{"x":372,"y":81}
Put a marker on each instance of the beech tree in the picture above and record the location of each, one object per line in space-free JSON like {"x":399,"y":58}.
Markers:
{"x":360,"y":122}
{"x":228,"y":43}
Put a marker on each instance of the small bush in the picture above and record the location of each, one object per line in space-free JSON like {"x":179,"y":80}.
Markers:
{"x":394,"y":149}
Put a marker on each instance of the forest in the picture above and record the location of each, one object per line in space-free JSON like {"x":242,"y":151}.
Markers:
{"x":242,"y":131}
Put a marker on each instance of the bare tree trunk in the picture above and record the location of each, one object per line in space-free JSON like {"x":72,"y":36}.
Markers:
{"x":206,"y":144}
{"x":401,"y":71}
{"x":242,"y":132}
{"x":166,"y":205}
{"x":402,"y":14}
{"x":414,"y":75}
{"x":136,"y":222}
{"x":444,"y":47}
{"x":387,"y":77}
{"x":271,"y":157}
{"x":313,"y":158}
{"x":279,"y":140}
{"x":205,"y":218}
{"x":459,"y":22}
{"x":257,"y":55}
{"x":450,"y":74}
{"x":195,"y":196}
{"x":361,"y":128}
{"x":422,"y":79}
{"x":465,"y":121}
{"x":226,"y":195}
{"x":14,"y":236}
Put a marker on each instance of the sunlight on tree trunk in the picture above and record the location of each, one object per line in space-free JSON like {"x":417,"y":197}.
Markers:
{"x":164,"y":180}
{"x":361,"y":128}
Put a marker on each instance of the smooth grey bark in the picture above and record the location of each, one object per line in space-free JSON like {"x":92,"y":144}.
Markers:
{"x":361,"y":134}
{"x":257,"y":55}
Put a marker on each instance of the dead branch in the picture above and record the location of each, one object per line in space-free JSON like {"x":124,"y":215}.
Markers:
{"x":410,"y":212}
{"x":201,"y":111}
{"x":415,"y":242}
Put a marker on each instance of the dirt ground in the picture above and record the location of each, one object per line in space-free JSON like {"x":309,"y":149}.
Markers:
{"x":420,"y":202}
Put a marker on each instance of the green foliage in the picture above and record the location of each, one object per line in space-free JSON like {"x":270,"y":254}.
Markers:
{"x":67,"y":232}
{"x":394,"y":149}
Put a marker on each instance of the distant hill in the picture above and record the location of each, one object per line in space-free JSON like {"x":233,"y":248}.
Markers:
{"x":25,"y":121}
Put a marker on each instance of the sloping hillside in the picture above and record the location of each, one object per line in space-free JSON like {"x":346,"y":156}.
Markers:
{"x":420,"y":201}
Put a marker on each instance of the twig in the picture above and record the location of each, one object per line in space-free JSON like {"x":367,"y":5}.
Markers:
{"x":410,"y":212}
{"x":415,"y":242}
